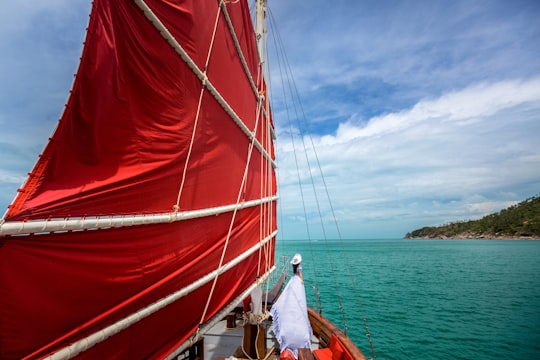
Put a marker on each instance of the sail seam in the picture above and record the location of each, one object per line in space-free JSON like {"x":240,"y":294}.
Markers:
{"x":91,"y":340}
{"x":165,"y":33}
{"x":95,"y":223}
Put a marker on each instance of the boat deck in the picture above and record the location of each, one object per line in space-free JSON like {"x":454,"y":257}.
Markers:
{"x":226,"y":343}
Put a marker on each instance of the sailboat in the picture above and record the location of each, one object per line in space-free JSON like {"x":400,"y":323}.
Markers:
{"x":151,"y":213}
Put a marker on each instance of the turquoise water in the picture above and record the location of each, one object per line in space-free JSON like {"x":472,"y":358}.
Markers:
{"x":430,"y":299}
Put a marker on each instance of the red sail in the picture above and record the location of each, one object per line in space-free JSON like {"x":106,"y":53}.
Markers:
{"x":122,"y":142}
{"x":123,"y":147}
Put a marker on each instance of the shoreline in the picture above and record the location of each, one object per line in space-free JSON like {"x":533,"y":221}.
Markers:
{"x":472,"y":237}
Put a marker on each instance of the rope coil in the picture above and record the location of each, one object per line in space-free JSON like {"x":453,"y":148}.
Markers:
{"x":252,"y":318}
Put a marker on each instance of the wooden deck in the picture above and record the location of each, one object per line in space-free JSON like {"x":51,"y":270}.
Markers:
{"x":228,"y":340}
{"x":221,"y":342}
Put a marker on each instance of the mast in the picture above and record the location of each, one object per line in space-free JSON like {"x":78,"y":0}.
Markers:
{"x":260,"y":27}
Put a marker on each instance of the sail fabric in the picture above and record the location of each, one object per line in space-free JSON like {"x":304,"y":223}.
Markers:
{"x":52,"y":284}
{"x":123,"y":139}
{"x":120,"y":148}
{"x":290,"y":317}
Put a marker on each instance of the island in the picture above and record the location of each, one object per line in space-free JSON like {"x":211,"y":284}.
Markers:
{"x":520,"y":221}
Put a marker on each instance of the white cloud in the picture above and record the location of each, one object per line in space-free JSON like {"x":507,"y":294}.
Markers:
{"x":404,"y":138}
{"x":388,"y":56}
{"x":462,"y":107}
{"x":457,"y":156}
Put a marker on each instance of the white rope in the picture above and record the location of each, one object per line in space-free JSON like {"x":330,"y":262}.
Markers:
{"x":229,"y":232}
{"x":237,"y":46}
{"x":218,"y":317}
{"x":252,"y":318}
{"x":263,"y":73}
{"x":84,"y":344}
{"x":177,"y":205}
{"x":294,"y":94}
{"x":165,"y":33}
{"x":242,"y":185}
{"x":262,"y":213}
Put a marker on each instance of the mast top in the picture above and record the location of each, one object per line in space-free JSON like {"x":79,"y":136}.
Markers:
{"x":260,"y":27}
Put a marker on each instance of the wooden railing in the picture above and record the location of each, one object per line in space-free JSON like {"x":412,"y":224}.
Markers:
{"x":324,"y":329}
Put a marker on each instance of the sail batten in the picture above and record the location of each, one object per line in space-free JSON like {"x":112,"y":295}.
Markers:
{"x":92,"y":223}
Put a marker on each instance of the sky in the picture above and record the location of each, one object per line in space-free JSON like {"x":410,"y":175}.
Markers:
{"x":422,"y":112}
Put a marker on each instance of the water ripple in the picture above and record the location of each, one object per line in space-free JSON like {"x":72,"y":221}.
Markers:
{"x":434,"y":299}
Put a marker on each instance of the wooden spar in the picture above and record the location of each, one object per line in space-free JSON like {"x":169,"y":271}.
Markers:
{"x":92,"y":223}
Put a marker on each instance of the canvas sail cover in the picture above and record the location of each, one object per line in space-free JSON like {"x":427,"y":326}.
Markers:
{"x":142,"y":134}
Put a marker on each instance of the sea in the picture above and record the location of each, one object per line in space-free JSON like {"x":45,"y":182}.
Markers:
{"x":427,"y":299}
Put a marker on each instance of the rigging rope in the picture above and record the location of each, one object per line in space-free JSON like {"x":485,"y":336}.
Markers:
{"x":176,"y":206}
{"x":253,"y":142}
{"x":241,"y":189}
{"x":295,"y":94}
{"x":203,"y":83}
{"x":165,"y":33}
{"x":286,"y":104}
{"x":229,"y":232}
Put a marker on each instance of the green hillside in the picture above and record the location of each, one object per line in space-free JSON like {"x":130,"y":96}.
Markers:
{"x":519,"y":221}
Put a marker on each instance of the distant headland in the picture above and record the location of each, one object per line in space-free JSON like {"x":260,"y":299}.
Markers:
{"x":520,"y":222}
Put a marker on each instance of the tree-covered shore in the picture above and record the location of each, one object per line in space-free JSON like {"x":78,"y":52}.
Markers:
{"x":520,"y":221}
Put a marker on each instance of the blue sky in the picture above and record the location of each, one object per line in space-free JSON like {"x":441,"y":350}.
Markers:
{"x":423,"y":112}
